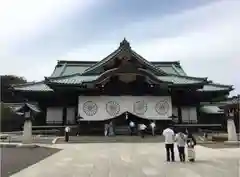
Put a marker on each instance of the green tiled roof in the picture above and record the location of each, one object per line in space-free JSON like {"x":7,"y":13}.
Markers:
{"x":34,"y":87}
{"x":78,"y":67}
{"x":215,"y":87}
{"x":211,"y":109}
{"x":73,"y":79}
{"x":67,"y":68}
{"x":180,"y":79}
{"x":79,"y":79}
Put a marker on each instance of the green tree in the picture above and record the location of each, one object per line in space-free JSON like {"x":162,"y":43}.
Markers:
{"x":6,"y":82}
{"x":10,"y":121}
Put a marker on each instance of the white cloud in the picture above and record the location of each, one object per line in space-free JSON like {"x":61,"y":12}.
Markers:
{"x":24,"y":20}
{"x":27,"y":18}
{"x":205,"y":40}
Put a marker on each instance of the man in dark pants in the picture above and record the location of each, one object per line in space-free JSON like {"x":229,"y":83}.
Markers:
{"x":67,"y":130}
{"x":170,"y":149}
{"x":132,"y":127}
{"x":142,"y":128}
{"x":168,"y":133}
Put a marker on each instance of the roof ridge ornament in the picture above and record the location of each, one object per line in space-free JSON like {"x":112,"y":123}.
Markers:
{"x":125,"y":44}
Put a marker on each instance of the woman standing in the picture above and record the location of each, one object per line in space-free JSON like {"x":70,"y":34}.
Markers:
{"x":181,"y":142}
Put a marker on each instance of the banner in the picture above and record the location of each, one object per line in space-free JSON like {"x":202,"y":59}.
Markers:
{"x":107,"y":107}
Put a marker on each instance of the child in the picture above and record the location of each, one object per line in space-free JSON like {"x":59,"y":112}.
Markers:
{"x":191,"y":142}
{"x":181,"y":142}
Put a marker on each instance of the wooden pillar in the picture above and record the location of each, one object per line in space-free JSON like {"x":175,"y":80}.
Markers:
{"x":64,"y":118}
{"x":179,"y":115}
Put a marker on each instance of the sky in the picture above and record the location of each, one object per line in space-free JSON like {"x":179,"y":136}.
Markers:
{"x":202,"y":34}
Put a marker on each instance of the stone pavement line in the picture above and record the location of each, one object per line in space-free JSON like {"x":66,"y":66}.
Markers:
{"x":132,"y":160}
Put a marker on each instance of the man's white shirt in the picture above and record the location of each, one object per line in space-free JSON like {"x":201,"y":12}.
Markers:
{"x":153,"y":125}
{"x":169,"y":136}
{"x":142,"y":127}
{"x":67,"y":129}
{"x":132,"y":124}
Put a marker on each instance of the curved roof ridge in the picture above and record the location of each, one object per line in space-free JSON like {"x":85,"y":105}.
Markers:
{"x":165,"y":62}
{"x":147,"y":62}
{"x":75,"y":61}
{"x":104,"y":60}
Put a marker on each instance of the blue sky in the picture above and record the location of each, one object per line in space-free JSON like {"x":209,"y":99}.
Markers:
{"x":202,"y":34}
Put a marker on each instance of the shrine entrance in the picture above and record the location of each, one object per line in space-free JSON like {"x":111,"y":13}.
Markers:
{"x":121,"y":123}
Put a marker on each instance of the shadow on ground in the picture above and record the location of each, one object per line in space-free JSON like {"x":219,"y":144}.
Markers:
{"x":220,"y":145}
{"x":15,"y":159}
{"x":113,"y":139}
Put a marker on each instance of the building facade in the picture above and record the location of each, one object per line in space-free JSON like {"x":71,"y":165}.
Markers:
{"x":121,"y":87}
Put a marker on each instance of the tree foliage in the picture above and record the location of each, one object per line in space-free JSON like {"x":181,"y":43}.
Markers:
{"x":9,"y":120}
{"x":6,"y":82}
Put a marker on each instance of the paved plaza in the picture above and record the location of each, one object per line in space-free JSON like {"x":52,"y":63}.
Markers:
{"x":132,"y":160}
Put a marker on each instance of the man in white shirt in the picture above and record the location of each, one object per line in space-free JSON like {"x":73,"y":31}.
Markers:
{"x":168,"y":133}
{"x":142,"y":128}
{"x":67,"y":130}
{"x":153,"y":125}
{"x":132,"y":126}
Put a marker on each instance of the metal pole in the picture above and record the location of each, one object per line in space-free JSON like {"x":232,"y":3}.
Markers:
{"x":238,"y":110}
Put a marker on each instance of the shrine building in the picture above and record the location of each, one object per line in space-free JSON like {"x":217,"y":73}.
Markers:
{"x":121,"y":87}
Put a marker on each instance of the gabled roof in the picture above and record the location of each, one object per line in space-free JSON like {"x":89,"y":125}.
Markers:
{"x":17,"y":106}
{"x":124,"y":48}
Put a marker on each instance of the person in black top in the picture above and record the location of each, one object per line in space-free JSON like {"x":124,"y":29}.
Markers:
{"x":190,"y":137}
{"x":191,"y":142}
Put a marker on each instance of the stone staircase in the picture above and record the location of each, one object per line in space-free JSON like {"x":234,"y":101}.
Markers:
{"x":122,"y":130}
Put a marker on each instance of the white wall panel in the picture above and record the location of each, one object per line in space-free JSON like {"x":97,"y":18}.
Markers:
{"x":71,"y":115}
{"x":189,"y":114}
{"x":107,"y":107}
{"x":193,"y":114}
{"x":54,"y":115}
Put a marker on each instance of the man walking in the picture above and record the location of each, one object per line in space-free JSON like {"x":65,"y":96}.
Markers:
{"x":132,"y":127}
{"x":153,"y":125}
{"x":168,"y":133}
{"x":67,"y":130}
{"x":142,"y":128}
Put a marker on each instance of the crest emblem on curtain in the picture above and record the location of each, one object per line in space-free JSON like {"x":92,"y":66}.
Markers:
{"x":140,"y":107}
{"x":90,"y":108}
{"x":112,"y":108}
{"x":162,"y":107}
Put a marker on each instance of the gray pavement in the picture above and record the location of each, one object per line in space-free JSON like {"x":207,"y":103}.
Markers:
{"x":35,"y":139}
{"x":132,"y":160}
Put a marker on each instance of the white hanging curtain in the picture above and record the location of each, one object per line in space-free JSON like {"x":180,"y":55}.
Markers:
{"x":107,"y":107}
